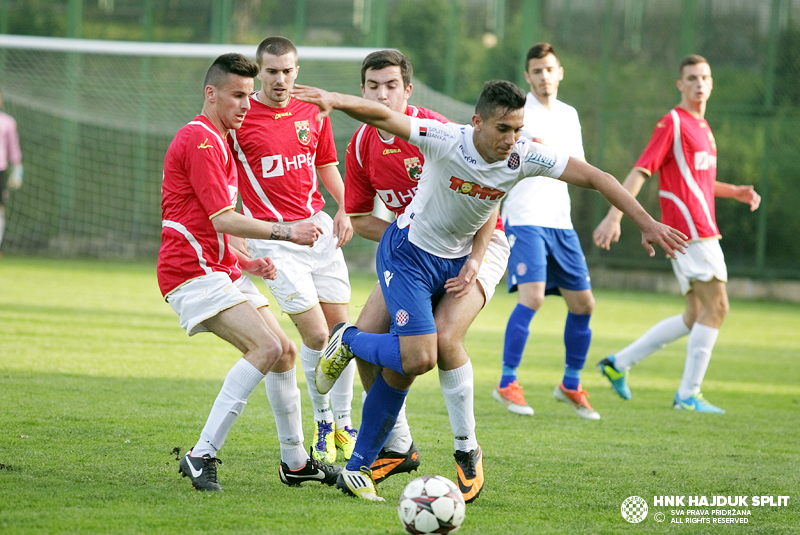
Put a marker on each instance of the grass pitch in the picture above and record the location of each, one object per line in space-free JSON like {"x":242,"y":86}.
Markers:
{"x":99,"y":388}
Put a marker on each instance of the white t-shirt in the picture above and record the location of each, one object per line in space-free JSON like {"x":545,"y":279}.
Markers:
{"x":458,"y":190}
{"x":537,"y":200}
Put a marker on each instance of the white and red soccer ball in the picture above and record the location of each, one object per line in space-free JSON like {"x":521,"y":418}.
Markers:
{"x":431,"y":504}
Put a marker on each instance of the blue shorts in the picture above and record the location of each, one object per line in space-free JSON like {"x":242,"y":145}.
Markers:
{"x":411,"y":280}
{"x":550,"y":255}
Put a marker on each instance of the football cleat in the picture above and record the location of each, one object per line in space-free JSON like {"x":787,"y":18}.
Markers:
{"x":202,"y":471}
{"x":312,"y":471}
{"x":334,"y":359}
{"x":324,"y":448}
{"x":345,"y":440}
{"x":390,"y":463}
{"x":469,"y":465}
{"x":511,"y":396}
{"x":359,"y":484}
{"x":618,"y":379}
{"x":696,"y":403}
{"x":578,"y":400}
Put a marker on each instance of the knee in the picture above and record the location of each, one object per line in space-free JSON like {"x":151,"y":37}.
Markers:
{"x":420,"y":363}
{"x":267,"y":352}
{"x":584,"y":307}
{"x":288,"y":355}
{"x":534,"y":302}
{"x":316,"y":338}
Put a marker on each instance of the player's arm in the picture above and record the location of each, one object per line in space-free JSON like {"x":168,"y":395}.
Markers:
{"x":236,"y":224}
{"x":584,"y":175}
{"x":743,"y":194}
{"x":609,"y":230}
{"x":358,"y":108}
{"x":342,"y":227}
{"x":468,"y":275}
{"x":369,"y":226}
{"x":260,"y":267}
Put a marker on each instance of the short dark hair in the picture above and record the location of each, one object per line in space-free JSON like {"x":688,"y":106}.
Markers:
{"x":229,"y":64}
{"x":499,"y":95}
{"x":275,"y":46}
{"x":387,"y":58}
{"x":691,"y":59}
{"x":538,"y":51}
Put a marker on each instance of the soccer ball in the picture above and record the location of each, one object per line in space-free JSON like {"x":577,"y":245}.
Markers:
{"x":431,"y":504}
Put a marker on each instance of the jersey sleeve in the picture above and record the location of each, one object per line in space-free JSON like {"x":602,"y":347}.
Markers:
{"x":326,"y":148}
{"x":205,"y":167}
{"x":359,"y":195}
{"x":541,"y":160}
{"x":433,"y":138}
{"x":658,"y":148}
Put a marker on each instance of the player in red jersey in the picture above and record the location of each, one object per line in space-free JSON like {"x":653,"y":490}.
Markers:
{"x":383,"y":164}
{"x":683,"y":152}
{"x":201,"y":278}
{"x":280,"y":149}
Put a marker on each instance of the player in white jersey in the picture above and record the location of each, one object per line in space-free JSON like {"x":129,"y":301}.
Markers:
{"x":439,"y":242}
{"x":201,"y":277}
{"x":281,"y":149}
{"x":546,"y":255}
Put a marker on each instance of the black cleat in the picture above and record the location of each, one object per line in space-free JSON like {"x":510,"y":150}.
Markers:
{"x":201,"y":470}
{"x":314,"y":470}
{"x":390,"y":463}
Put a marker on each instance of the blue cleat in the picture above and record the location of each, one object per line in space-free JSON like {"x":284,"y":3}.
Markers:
{"x":616,"y":378}
{"x":696,"y":403}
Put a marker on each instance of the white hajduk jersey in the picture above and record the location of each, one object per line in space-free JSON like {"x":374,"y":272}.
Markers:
{"x":537,"y":200}
{"x":458,"y":190}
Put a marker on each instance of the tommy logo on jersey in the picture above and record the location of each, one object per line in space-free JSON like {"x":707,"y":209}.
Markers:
{"x":303,"y":132}
{"x":413,"y":168}
{"x":473,"y":189}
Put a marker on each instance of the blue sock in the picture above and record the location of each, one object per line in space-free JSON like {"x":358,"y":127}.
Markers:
{"x":380,"y":349}
{"x":515,"y":340}
{"x":577,"y":338}
{"x":378,"y":416}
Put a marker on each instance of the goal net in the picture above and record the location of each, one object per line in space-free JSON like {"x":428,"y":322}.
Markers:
{"x":95,"y":119}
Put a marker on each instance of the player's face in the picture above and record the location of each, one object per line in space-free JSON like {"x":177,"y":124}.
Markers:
{"x":385,"y":86}
{"x":496,"y":135}
{"x":695,"y":83}
{"x":232,"y":100}
{"x":277,"y":76}
{"x":543,"y":76}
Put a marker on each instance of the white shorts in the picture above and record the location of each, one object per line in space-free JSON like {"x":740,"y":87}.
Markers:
{"x":494,"y":264}
{"x":306,"y":275}
{"x":703,"y":261}
{"x":207,"y":296}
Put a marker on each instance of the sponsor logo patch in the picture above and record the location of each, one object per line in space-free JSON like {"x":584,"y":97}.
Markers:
{"x":540,"y":159}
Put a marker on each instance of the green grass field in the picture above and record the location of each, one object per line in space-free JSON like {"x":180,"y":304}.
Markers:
{"x":99,"y":385}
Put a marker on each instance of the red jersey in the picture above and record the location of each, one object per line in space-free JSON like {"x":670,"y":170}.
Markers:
{"x":199,"y":183}
{"x":684,"y":153}
{"x":387,"y":168}
{"x":278,"y":151}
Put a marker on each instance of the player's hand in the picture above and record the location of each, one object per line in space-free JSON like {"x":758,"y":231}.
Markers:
{"x":260,"y":267}
{"x":668,"y":238}
{"x":313,"y":95}
{"x":748,"y":195}
{"x":15,"y":178}
{"x":342,"y":228}
{"x":606,"y":233}
{"x":463,"y":283}
{"x":305,"y":233}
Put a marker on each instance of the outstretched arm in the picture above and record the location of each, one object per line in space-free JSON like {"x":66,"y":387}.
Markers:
{"x":744,"y":194}
{"x":587,"y":176}
{"x":364,"y":110}
{"x":609,"y":230}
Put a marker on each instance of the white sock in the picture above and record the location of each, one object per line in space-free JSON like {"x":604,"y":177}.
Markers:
{"x":342,"y":396}
{"x":284,"y":398}
{"x":457,"y":388}
{"x":240,"y":382}
{"x":399,"y":438}
{"x":659,"y":335}
{"x":319,"y":402}
{"x":698,"y":352}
